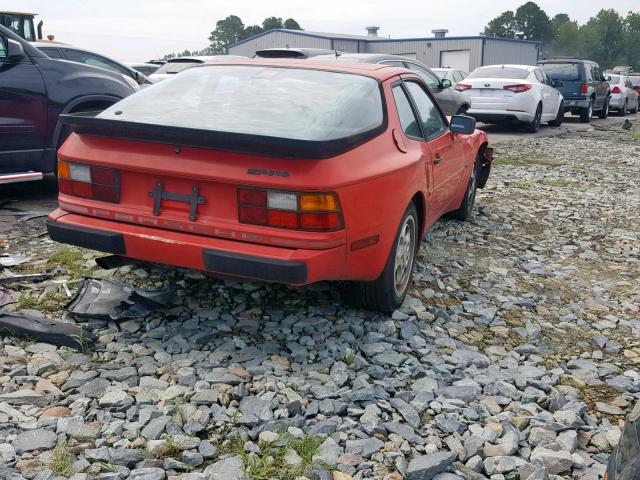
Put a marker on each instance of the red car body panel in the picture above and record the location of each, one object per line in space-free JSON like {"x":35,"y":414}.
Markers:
{"x":375,"y":182}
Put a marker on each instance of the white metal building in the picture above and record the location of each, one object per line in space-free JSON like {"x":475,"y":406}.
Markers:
{"x":464,"y":53}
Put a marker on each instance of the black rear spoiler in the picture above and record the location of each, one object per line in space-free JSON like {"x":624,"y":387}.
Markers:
{"x":86,"y":123}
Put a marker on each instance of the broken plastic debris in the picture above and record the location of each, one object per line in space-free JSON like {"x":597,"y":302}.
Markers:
{"x":7,"y":297}
{"x":117,"y":301}
{"x":44,"y":330}
{"x":7,"y":260}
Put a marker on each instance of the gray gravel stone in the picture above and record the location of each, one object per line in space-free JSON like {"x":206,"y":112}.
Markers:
{"x":426,"y":467}
{"x":34,"y":440}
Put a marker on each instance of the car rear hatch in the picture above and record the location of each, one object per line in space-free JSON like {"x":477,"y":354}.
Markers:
{"x":571,"y":74}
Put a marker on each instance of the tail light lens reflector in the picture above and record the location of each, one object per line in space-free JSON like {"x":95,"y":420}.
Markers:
{"x":462,"y":87}
{"x":88,"y":181}
{"x":616,"y":90}
{"x":584,"y":89}
{"x":525,"y":87}
{"x":291,"y":210}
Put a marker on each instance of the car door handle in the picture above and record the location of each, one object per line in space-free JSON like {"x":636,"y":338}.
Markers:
{"x":437,"y":160}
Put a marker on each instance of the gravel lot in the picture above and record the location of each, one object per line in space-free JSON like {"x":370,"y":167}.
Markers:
{"x":515,"y":357}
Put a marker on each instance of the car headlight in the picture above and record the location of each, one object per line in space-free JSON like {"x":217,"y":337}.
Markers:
{"x":131,"y":82}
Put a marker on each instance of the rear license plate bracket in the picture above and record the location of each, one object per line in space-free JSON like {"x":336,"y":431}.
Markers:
{"x":159,"y":195}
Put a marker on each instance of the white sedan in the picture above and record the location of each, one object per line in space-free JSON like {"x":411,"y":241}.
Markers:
{"x":513,"y":93}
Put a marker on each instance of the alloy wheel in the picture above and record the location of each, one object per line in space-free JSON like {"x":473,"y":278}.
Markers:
{"x":405,"y":251}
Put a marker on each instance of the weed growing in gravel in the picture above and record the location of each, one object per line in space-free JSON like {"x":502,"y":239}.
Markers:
{"x":270,"y":463}
{"x":169,"y":449}
{"x":561,"y":183}
{"x":61,"y":461}
{"x":71,"y":259}
{"x":48,"y":303}
{"x":527,"y":160}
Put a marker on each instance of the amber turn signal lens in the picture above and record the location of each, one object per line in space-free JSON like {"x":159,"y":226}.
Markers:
{"x":63,"y":169}
{"x":319,"y":202}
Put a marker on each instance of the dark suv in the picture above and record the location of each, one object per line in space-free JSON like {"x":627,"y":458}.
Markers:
{"x":34,"y":90}
{"x":582,"y":85}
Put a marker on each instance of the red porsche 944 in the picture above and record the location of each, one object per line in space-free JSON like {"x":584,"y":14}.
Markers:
{"x":277,"y":171}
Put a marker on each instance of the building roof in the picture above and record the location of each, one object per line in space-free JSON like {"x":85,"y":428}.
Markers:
{"x":365,"y":38}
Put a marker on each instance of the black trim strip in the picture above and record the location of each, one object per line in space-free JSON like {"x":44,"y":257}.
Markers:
{"x":87,"y":124}
{"x":255,"y":267}
{"x":87,"y":238}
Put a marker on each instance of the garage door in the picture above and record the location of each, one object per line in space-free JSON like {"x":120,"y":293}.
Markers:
{"x":457,"y":59}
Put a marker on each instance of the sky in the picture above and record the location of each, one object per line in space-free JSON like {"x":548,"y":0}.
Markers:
{"x":138,"y":30}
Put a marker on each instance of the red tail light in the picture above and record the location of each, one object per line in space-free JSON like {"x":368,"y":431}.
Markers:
{"x":616,"y":90}
{"x":637,"y":88}
{"x":518,"y":88}
{"x":87,"y":181}
{"x":293,"y":210}
{"x":461,"y":87}
{"x":584,"y":89}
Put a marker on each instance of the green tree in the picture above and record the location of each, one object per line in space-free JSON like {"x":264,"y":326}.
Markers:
{"x":272,"y":22}
{"x":533,"y":23}
{"x":291,"y":24}
{"x":632,"y":40}
{"x":227,"y":32}
{"x":603,"y":38}
{"x":251,"y":30}
{"x":568,"y":40}
{"x":503,"y":26}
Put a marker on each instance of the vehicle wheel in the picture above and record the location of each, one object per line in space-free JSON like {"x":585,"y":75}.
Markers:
{"x":604,"y":113}
{"x":465,"y":211}
{"x":534,"y":126}
{"x":623,"y":110}
{"x":387,"y":292}
{"x":586,"y":113}
{"x":462,"y":110}
{"x":559,"y":117}
{"x":635,"y":110}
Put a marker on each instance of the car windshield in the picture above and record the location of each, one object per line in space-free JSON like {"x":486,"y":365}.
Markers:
{"x":499,"y":72}
{"x":287,"y":103}
{"x":177,"y":67}
{"x":562,"y":71}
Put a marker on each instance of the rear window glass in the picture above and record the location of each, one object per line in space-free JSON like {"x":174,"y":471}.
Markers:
{"x":499,"y":72}
{"x":562,"y":71}
{"x":614,"y":78}
{"x":277,"y":102}
{"x":634,"y":80}
{"x":176,"y":67}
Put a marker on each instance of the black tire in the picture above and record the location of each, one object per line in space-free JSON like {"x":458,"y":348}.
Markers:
{"x":559,"y":117}
{"x":383,"y":294}
{"x":635,"y":110}
{"x":534,"y":125}
{"x":623,"y":111}
{"x":465,"y":211}
{"x":586,"y":113}
{"x":604,"y":112}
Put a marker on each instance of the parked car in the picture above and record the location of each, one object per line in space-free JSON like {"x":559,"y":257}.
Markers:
{"x":513,"y":93}
{"x":299,"y":53}
{"x":272,"y":171}
{"x":74,"y":54}
{"x":180,"y":64}
{"x":455,"y":76}
{"x":143,"y":67}
{"x":624,"y":98}
{"x":624,"y":461}
{"x":40,"y":89}
{"x":635,"y":82}
{"x":583,"y":86}
{"x":450,"y":101}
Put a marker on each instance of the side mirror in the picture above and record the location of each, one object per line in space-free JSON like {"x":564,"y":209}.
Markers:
{"x":462,"y":124}
{"x":15,"y":52}
{"x":558,"y":83}
{"x":608,"y":78}
{"x":446,"y":83}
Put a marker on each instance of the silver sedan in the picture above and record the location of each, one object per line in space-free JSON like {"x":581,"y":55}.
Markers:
{"x":623,"y":97}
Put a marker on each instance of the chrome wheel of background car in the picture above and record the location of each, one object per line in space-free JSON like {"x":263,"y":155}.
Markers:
{"x":625,"y":107}
{"x":405,"y":251}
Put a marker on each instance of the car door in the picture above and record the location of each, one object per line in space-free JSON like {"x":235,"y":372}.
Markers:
{"x":447,"y":155}
{"x":23,"y":110}
{"x":600,"y":86}
{"x":443,"y":96}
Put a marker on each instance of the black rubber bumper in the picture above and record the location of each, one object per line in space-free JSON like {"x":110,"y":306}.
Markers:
{"x":88,"y":238}
{"x":258,"y":268}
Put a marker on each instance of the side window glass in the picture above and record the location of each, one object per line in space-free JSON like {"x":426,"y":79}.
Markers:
{"x":3,"y":48}
{"x":432,"y":121}
{"x":538,"y":75}
{"x":394,"y":63}
{"x":428,"y":77}
{"x":51,"y":52}
{"x":93,"y":60}
{"x":457,"y":76}
{"x":405,"y":113}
